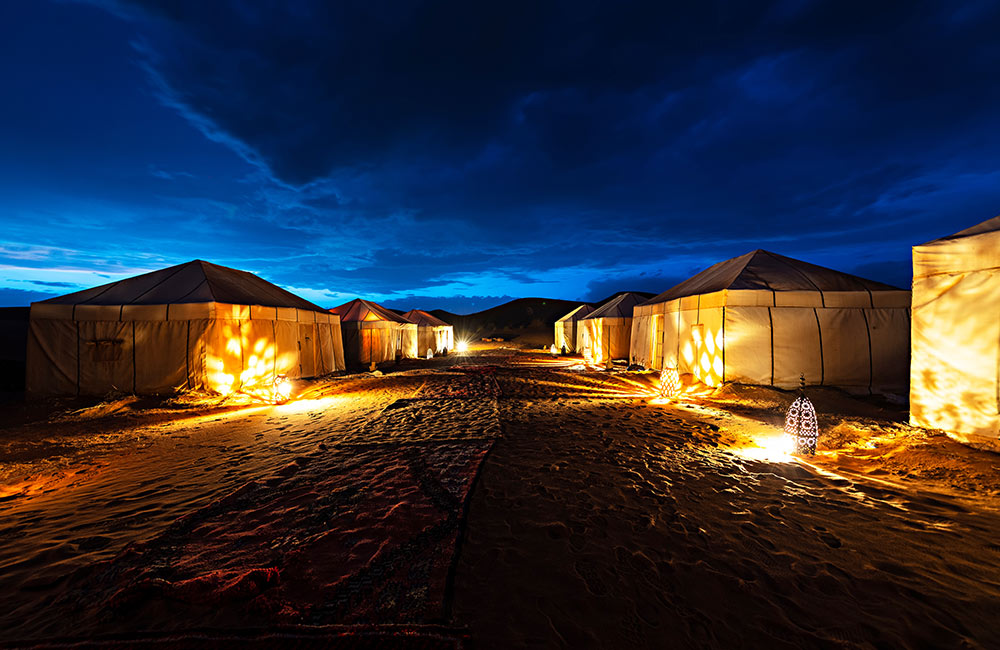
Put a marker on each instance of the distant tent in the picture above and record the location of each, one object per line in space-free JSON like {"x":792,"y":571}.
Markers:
{"x":605,"y":332}
{"x":566,"y":328}
{"x":954,"y":383}
{"x":763,"y":318}
{"x":373,"y":334}
{"x":192,"y":326}
{"x":432,"y":333}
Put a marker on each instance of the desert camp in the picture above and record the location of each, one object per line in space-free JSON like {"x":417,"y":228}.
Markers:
{"x":374,"y":334}
{"x":604,"y":333}
{"x":566,"y":328}
{"x":434,"y":336}
{"x":763,"y":318}
{"x":954,"y":371}
{"x":194,"y":326}
{"x":499,"y":325}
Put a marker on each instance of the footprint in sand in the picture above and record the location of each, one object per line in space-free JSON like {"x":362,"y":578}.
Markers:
{"x":588,"y":571}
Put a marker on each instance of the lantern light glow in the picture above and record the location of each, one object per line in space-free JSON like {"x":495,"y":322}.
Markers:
{"x":282,"y":389}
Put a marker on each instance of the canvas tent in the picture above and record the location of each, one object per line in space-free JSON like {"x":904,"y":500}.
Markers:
{"x":604,"y":333}
{"x":192,"y":326}
{"x":432,"y":333}
{"x":954,"y":383}
{"x":763,"y":318}
{"x":566,"y":327}
{"x":373,"y":334}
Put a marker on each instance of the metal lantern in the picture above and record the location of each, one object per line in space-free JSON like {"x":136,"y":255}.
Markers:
{"x":670,"y":383}
{"x":800,"y":423}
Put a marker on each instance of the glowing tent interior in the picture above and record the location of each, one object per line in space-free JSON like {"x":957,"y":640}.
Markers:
{"x":193,"y":326}
{"x":566,"y":327}
{"x":604,"y":333}
{"x":762,"y":318}
{"x":373,"y":334}
{"x":432,"y":333}
{"x":954,"y":382}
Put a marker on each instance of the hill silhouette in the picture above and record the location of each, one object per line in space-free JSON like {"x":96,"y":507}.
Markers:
{"x":528,"y":320}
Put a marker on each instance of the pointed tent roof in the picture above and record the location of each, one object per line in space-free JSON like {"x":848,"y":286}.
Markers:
{"x":196,"y":281}
{"x":764,"y":270}
{"x":420,"y":317}
{"x":577,"y":313}
{"x":366,"y":310}
{"x":618,"y":307}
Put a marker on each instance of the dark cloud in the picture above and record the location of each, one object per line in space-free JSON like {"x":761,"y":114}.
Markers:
{"x":409,"y":148}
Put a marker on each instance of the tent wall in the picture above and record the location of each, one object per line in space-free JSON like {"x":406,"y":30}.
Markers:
{"x":408,"y":341}
{"x":566,"y":334}
{"x":366,"y":342}
{"x":152,"y":349}
{"x":437,"y":338}
{"x":770,"y":338}
{"x":956,"y":336}
{"x":604,"y":338}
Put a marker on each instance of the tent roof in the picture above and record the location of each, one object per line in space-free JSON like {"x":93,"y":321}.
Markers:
{"x":618,"y":307}
{"x":990,"y":225}
{"x":366,"y":310}
{"x":196,"y":281}
{"x":577,"y":313}
{"x":420,"y":317}
{"x":764,"y":270}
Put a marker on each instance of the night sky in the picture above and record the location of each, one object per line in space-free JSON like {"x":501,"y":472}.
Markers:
{"x":456,"y":154}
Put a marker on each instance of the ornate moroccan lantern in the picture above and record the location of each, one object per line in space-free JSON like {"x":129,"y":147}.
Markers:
{"x":800,"y":422}
{"x":670,"y":383}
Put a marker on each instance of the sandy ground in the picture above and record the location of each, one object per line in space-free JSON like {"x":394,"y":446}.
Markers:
{"x":597,"y":519}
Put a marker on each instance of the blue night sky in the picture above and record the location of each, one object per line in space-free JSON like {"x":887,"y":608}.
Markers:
{"x":456,"y":154}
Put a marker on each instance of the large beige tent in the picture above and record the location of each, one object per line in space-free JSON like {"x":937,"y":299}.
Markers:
{"x":192,"y":326}
{"x":566,"y":327}
{"x":604,"y":333}
{"x":763,"y":318}
{"x":373,"y":334}
{"x":432,"y":333}
{"x":954,"y":382}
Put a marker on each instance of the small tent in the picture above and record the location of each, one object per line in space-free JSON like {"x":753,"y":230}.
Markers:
{"x":954,"y":382}
{"x":566,"y":327}
{"x":604,"y":333}
{"x":432,"y":333}
{"x":763,"y":318}
{"x":373,"y":334}
{"x":193,"y":326}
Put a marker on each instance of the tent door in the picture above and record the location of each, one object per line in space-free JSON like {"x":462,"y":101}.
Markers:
{"x":307,"y":359}
{"x":657,"y":360}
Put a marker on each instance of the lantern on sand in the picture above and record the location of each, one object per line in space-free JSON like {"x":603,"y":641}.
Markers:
{"x":670,"y":383}
{"x":800,"y":423}
{"x":553,"y":349}
{"x":430,"y":353}
{"x":282,"y":390}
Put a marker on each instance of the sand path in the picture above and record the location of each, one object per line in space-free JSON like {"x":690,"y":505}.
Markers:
{"x":181,"y":466}
{"x":607,"y":522}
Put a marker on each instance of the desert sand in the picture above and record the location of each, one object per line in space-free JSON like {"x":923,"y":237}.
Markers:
{"x":495,"y":499}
